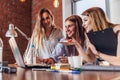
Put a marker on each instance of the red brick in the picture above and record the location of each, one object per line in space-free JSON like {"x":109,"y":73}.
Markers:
{"x":23,"y":15}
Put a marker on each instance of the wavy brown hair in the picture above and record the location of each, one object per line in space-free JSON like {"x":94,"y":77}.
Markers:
{"x":79,"y":35}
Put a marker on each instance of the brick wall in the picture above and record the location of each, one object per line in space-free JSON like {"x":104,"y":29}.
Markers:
{"x":23,"y":15}
{"x":57,"y":12}
{"x":18,"y":13}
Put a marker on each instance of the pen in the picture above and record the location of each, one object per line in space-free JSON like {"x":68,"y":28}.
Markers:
{"x":70,"y":71}
{"x":66,"y":71}
{"x":50,"y":70}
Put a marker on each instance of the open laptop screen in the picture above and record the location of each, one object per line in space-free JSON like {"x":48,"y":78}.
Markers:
{"x":18,"y":56}
{"x":16,"y":52}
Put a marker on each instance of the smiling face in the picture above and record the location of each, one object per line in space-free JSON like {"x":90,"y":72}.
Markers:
{"x":70,"y":29}
{"x":46,"y":20}
{"x":87,"y":24}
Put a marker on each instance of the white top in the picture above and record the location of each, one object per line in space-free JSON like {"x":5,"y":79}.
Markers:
{"x":48,"y":45}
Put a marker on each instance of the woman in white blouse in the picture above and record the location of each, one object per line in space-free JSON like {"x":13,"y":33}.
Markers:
{"x":45,"y":36}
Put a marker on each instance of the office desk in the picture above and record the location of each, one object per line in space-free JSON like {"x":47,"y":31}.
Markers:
{"x":28,"y":74}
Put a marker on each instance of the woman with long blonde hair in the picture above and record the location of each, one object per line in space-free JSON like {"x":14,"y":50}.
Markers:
{"x":104,"y":35}
{"x":45,"y":36}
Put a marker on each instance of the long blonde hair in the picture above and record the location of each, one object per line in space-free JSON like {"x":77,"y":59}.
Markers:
{"x":39,"y":31}
{"x":99,"y":20}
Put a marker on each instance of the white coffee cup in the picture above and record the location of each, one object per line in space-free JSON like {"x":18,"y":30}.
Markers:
{"x":70,"y":61}
{"x":77,"y":61}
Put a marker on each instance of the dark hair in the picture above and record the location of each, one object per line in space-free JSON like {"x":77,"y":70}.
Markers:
{"x":79,"y":28}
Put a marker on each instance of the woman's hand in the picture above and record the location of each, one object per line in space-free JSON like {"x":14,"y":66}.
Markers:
{"x":39,"y":60}
{"x":92,"y":48}
{"x":63,"y":59}
{"x":69,"y":41}
{"x":49,"y":61}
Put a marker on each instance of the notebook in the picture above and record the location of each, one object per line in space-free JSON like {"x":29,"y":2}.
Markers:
{"x":100,"y":68}
{"x":105,"y":41}
{"x":18,"y":57}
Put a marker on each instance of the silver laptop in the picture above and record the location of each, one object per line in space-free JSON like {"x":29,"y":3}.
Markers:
{"x":18,"y":57}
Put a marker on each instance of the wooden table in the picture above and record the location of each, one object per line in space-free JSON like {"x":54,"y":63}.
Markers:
{"x":28,"y":74}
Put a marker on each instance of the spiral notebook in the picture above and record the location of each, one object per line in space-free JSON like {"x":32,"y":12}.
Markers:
{"x":18,"y":57}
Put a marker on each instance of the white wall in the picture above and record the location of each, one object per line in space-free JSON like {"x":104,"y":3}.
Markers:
{"x":82,"y":5}
{"x":66,"y":10}
{"x":111,"y":8}
{"x":115,"y":11}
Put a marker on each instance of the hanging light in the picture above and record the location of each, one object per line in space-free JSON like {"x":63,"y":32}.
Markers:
{"x":22,"y":0}
{"x":56,"y":3}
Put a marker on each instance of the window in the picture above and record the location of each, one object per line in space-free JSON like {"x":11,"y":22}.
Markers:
{"x":111,"y":8}
{"x":80,"y":5}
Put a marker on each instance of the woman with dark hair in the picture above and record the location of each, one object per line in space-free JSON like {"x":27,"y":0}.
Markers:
{"x":73,"y":44}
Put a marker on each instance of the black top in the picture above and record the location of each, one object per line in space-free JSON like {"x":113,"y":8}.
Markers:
{"x":105,"y":41}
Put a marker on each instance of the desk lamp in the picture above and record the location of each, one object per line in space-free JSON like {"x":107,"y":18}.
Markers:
{"x":12,"y":33}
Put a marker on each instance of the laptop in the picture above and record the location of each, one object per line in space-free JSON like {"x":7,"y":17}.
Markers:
{"x":19,"y":59}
